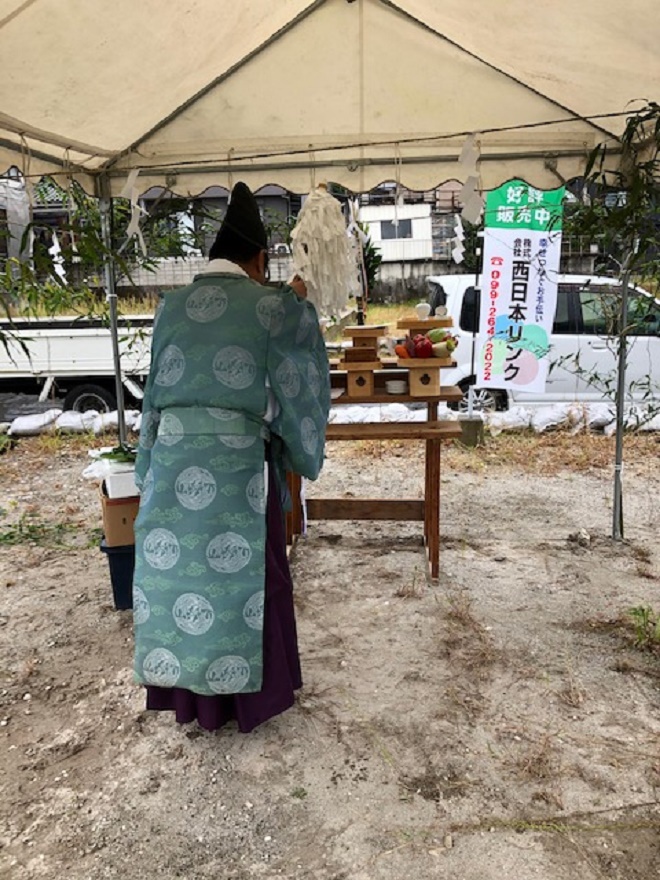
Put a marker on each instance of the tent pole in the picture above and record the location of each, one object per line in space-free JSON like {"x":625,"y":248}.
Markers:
{"x":617,"y":507}
{"x":105,"y":208}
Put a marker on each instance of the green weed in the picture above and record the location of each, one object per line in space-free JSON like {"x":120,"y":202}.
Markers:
{"x":6,"y":443}
{"x":647,"y":627}
{"x":30,"y":529}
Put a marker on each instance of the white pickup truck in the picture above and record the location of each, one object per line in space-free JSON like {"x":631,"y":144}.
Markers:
{"x":72,"y":359}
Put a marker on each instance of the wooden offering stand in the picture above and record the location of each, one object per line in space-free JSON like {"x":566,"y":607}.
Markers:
{"x":413,"y":326}
{"x":361,"y":359}
{"x":424,"y":373}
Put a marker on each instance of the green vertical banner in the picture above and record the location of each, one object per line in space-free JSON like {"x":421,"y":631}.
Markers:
{"x":522,"y":245}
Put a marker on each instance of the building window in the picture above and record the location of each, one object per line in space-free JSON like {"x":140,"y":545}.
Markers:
{"x":388,"y":229}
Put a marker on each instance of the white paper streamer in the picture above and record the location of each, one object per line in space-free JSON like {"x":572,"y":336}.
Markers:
{"x":130,"y":191}
{"x":470,"y":155}
{"x":473,"y":208}
{"x":322,"y":254}
{"x":58,"y":260}
{"x":470,"y":195}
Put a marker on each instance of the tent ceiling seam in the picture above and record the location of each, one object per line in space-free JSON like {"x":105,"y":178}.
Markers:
{"x":217,"y":167}
{"x":393,"y":5}
{"x":16,"y":12}
{"x":76,"y":167}
{"x":18,"y":127}
{"x":47,"y":157}
{"x":329,"y":148}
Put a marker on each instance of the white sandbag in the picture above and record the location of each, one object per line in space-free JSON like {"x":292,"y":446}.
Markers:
{"x":131,"y":416}
{"x":134,"y":420}
{"x":630,"y":422}
{"x":72,"y":422}
{"x":349,"y":415}
{"x":109,"y":421}
{"x":577,"y":416}
{"x":417,"y":415}
{"x":550,"y":417}
{"x":599,"y":415}
{"x":27,"y":426}
{"x":651,"y":424}
{"x":636,"y":418}
{"x":515,"y":419}
{"x":395,"y":412}
{"x":399,"y":412}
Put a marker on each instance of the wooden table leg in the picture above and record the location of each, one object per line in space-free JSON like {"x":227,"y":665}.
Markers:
{"x":433,"y":508}
{"x":432,"y":497}
{"x":428,"y":455}
{"x":294,"y":516}
{"x":431,"y":415}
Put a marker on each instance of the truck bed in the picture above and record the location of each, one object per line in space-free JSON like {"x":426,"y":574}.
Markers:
{"x":68,"y":347}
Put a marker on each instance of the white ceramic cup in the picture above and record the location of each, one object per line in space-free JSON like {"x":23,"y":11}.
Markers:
{"x":423,"y":310}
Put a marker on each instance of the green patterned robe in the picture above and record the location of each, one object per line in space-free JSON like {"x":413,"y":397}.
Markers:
{"x":198,"y":589}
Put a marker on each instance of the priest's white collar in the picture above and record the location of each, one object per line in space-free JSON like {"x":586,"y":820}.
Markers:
{"x":224,"y":266}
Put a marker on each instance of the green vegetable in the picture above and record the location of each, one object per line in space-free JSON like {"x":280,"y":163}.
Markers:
{"x":438,"y":334}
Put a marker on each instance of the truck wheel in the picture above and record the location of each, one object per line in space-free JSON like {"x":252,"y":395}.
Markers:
{"x":485,"y":399}
{"x":82,"y":398}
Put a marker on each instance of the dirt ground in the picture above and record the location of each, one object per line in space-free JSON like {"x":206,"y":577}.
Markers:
{"x":500,"y":725}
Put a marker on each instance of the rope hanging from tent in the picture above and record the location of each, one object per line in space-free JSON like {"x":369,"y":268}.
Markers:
{"x":26,"y":157}
{"x":230,"y":172}
{"x":312,"y":171}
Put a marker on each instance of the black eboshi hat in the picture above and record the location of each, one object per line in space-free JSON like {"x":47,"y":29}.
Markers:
{"x":242,"y":233}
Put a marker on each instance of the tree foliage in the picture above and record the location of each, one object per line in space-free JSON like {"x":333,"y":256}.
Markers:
{"x":619,"y":210}
{"x":620,"y":201}
{"x":371,"y":255}
{"x":45,"y":284}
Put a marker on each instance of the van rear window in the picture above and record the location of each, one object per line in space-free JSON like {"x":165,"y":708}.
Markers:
{"x":469,"y":317}
{"x":563,"y":322}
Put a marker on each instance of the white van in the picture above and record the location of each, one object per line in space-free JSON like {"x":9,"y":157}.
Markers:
{"x":583,"y":352}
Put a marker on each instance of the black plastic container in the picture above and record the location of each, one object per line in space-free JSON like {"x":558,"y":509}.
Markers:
{"x":122,"y":564}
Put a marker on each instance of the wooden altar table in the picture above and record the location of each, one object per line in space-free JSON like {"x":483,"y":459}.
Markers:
{"x":427,"y":510}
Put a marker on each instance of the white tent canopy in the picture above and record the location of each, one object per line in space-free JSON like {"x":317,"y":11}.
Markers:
{"x":202,"y":92}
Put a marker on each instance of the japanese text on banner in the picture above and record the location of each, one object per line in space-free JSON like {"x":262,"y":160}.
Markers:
{"x":522,"y":243}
